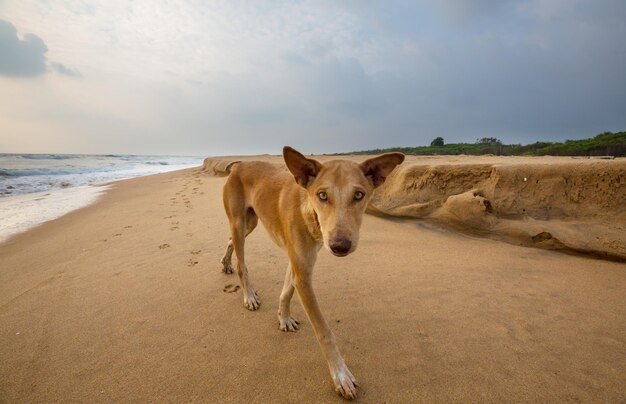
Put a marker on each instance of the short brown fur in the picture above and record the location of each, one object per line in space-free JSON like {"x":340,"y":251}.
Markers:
{"x":324,"y":206}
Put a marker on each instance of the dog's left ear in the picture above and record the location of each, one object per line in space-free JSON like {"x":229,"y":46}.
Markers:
{"x":378,"y":168}
{"x":302,"y":168}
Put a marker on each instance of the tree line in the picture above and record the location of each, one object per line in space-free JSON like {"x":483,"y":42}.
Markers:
{"x":604,"y":144}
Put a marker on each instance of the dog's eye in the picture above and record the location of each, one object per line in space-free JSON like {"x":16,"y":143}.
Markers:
{"x":323,"y":196}
{"x":358,"y":195}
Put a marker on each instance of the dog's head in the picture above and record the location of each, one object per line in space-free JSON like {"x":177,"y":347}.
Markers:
{"x":339,"y":192}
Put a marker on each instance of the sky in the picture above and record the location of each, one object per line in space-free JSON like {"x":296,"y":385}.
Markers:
{"x":242,"y":77}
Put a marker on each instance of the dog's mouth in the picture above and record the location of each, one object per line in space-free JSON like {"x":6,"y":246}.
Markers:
{"x":336,"y":254}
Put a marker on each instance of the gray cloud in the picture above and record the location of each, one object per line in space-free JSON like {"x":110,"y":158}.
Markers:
{"x":26,"y":57}
{"x":519,"y":70}
{"x":461,"y":11}
{"x":64,"y":70}
{"x":338,"y":76}
{"x":21,"y":57}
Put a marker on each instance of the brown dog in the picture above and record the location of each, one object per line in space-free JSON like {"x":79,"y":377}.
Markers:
{"x":323,"y":206}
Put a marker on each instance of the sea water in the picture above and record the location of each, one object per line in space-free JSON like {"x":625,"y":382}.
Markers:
{"x":35,"y":188}
{"x":27,"y":173}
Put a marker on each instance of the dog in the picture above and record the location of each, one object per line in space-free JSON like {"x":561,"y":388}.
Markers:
{"x":311,"y":205}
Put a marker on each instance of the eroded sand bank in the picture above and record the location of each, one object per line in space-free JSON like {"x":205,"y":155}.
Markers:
{"x":561,"y":203}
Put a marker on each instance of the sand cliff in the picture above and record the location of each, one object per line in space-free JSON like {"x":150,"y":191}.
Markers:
{"x":570,"y":204}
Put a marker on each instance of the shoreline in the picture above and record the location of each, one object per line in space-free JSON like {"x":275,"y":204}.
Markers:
{"x":506,"y":231}
{"x":23,"y":212}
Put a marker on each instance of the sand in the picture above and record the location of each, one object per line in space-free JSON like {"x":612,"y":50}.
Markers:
{"x":124,"y":301}
{"x":569,"y":204}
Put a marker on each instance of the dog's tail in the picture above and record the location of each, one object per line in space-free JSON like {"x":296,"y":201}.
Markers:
{"x":230,"y":165}
{"x":218,"y":167}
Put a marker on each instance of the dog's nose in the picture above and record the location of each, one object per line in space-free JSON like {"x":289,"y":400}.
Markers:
{"x":340,"y":245}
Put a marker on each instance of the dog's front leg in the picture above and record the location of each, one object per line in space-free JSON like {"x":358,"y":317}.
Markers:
{"x":345,"y":383}
{"x":286,"y":322}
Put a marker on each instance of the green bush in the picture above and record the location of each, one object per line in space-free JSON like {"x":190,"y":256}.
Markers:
{"x":604,"y":144}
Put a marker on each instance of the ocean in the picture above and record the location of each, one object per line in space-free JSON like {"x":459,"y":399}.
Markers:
{"x":28,"y":173}
{"x":35,"y":188}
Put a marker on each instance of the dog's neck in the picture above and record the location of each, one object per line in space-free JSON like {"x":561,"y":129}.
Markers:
{"x":310,"y":218}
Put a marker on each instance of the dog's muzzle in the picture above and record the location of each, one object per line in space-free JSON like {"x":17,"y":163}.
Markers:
{"x":340,"y":246}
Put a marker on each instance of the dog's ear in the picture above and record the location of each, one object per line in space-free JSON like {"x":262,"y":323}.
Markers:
{"x":378,"y":168}
{"x":302,"y":168}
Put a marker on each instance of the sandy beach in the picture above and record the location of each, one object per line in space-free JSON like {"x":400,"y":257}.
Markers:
{"x":447,"y":298}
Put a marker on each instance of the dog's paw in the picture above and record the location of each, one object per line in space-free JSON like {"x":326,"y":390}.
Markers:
{"x":288,"y":323}
{"x":345,"y":383}
{"x":227,"y":268}
{"x":251,"y":300}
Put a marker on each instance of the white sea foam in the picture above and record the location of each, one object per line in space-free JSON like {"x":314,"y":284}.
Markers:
{"x":22,"y":212}
{"x":35,"y":188}
{"x":26,"y":173}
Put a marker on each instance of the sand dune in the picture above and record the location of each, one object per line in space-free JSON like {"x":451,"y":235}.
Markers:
{"x":548,"y":202}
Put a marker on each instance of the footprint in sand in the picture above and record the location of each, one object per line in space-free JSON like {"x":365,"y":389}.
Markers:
{"x":230,"y":288}
{"x":192,"y":262}
{"x":174,"y":228}
{"x":128,"y":227}
{"x":164,"y":245}
{"x":117,"y":234}
{"x":196,"y":252}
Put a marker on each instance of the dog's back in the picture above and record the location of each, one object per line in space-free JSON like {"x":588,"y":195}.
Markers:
{"x":258,"y":188}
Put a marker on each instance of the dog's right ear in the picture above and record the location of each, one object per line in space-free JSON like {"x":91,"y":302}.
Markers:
{"x":303,"y":169}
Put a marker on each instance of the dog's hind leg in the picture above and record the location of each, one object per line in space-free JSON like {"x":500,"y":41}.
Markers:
{"x":286,"y":322}
{"x":240,"y":226}
{"x":226,"y":261}
{"x":227,"y":258}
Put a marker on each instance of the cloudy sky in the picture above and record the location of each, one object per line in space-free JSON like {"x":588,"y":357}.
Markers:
{"x":244,"y":77}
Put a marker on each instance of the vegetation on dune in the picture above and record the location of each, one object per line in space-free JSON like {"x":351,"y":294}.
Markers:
{"x":604,"y":144}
